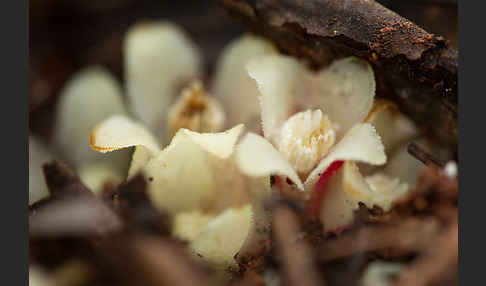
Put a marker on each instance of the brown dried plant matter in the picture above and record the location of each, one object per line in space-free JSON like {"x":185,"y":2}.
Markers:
{"x":152,"y":257}
{"x":297,"y":262}
{"x":423,"y":224}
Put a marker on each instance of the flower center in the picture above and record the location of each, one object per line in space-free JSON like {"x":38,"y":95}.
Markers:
{"x":305,"y":138}
{"x":195,"y":110}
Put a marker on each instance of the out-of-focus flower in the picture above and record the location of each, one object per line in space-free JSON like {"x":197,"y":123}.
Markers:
{"x":38,"y":278}
{"x":315,"y":136}
{"x":89,"y":97}
{"x":381,"y":273}
{"x":215,"y":207}
{"x":162,"y":68}
{"x":233,"y":86}
{"x":194,"y":110}
{"x":160,"y":60}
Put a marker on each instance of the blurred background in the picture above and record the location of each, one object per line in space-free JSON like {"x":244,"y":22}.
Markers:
{"x":66,"y":35}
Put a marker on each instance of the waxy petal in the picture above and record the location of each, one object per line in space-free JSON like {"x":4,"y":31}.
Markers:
{"x":233,"y":86}
{"x":345,"y":190}
{"x":345,"y":92}
{"x":97,"y":175}
{"x":386,"y":190}
{"x":91,"y":96}
{"x":381,"y":273}
{"x":219,"y":144}
{"x":404,"y":166}
{"x":361,"y":144}
{"x":188,"y":225}
{"x":196,"y":172}
{"x":159,"y":60}
{"x":256,"y":157}
{"x":280,"y":81}
{"x":223,"y":237}
{"x":118,"y":132}
{"x":392,"y":126}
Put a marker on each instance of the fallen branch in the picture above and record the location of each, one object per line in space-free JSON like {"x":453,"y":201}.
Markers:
{"x":411,"y":235}
{"x":416,"y":69}
{"x":295,"y":255}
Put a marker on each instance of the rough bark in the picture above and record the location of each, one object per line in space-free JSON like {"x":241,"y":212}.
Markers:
{"x":415,"y":68}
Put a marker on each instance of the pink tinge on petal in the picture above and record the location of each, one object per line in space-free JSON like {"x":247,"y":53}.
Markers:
{"x":277,"y":183}
{"x":321,"y":189}
{"x":340,"y":229}
{"x":260,"y":130}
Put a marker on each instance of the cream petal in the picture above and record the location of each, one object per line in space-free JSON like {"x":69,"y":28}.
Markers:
{"x":232,"y":85}
{"x":219,"y":144}
{"x":361,"y":144}
{"x":344,"y":91}
{"x":37,"y":277}
{"x":206,"y":232}
{"x":256,"y":157}
{"x":404,"y":166}
{"x":195,"y":172}
{"x":344,"y":191}
{"x":188,"y":225}
{"x":347,"y":188}
{"x":91,"y":96}
{"x":222,"y":238}
{"x":386,"y":190}
{"x":258,"y":239}
{"x":381,"y":273}
{"x":118,"y":132}
{"x":393,"y":127}
{"x":38,"y":155}
{"x":140,"y":158}
{"x":98,"y":174}
{"x":159,"y":60}
{"x":280,"y":81}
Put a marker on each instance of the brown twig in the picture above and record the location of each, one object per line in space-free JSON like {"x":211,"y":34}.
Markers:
{"x":411,"y":235}
{"x":296,"y":256}
{"x":74,"y":216}
{"x":413,"y":67}
{"x":62,"y":181}
{"x":149,"y":261}
{"x":437,"y":264}
{"x":425,"y":157}
{"x":132,"y":203}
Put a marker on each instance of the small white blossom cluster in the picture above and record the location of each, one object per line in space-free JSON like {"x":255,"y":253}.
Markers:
{"x":324,"y":137}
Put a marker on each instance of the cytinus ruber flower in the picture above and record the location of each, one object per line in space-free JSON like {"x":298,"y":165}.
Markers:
{"x":162,"y":89}
{"x":318,"y":131}
{"x":215,"y":207}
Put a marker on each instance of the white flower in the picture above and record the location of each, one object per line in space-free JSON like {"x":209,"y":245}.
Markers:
{"x":159,"y":62}
{"x":89,"y":97}
{"x":315,"y":136}
{"x":214,"y":206}
{"x":381,"y":273}
{"x":234,"y":87}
